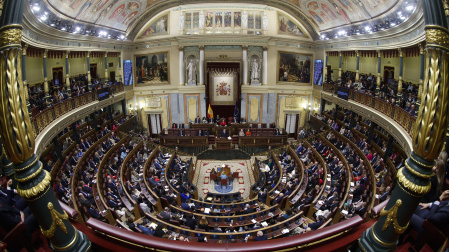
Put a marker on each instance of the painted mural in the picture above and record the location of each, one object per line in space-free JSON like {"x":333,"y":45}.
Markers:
{"x":118,"y":14}
{"x":327,"y":14}
{"x":288,"y":27}
{"x":157,"y":27}
{"x":152,"y":68}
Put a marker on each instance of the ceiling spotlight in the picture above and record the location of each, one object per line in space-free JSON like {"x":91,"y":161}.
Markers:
{"x":36,"y":8}
{"x":410,"y":7}
{"x":392,"y":24}
{"x":77,"y":29}
{"x":43,"y":18}
{"x":367,"y":28}
{"x":63,"y":28}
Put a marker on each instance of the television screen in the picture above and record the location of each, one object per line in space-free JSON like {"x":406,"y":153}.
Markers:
{"x":103,"y":94}
{"x":127,"y":71}
{"x":343,"y":93}
{"x":318,"y":76}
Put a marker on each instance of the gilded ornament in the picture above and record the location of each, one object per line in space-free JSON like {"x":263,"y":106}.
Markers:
{"x":29,"y":177}
{"x":35,"y":190}
{"x":392,"y":217}
{"x":15,"y":122}
{"x":431,"y":123}
{"x":437,"y":35}
{"x":417,"y":189}
{"x":56,"y":220}
{"x":10,"y":37}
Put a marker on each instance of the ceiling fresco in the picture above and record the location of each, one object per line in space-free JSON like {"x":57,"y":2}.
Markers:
{"x":117,"y":14}
{"x":328,"y":14}
{"x":121,"y":14}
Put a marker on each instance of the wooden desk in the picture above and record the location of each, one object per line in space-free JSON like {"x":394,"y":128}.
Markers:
{"x":185,"y":140}
{"x":226,"y":171}
{"x":223,"y":144}
{"x":263,"y":141}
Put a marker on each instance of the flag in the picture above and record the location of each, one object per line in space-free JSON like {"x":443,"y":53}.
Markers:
{"x":210,"y":113}
{"x":236,"y":110}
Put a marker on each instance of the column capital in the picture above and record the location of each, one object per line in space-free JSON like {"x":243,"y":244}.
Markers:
{"x":378,"y":53}
{"x":105,"y":54}
{"x":339,"y":53}
{"x":400,"y":52}
{"x":181,"y":48}
{"x":67,"y":53}
{"x":245,"y":47}
{"x":201,"y":47}
{"x":421,"y":48}
{"x":357,"y":52}
{"x":265,"y":48}
{"x":45,"y":53}
{"x":446,"y":7}
{"x":24,"y":49}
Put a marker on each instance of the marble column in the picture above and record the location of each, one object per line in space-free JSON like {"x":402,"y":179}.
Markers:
{"x":46,"y":87}
{"x":106,"y":77}
{"x":24,"y":78}
{"x":181,"y":66}
{"x":421,"y":78}
{"x":413,"y":180}
{"x":245,"y":65}
{"x":89,"y":78}
{"x":265,"y":66}
{"x":120,"y":67}
{"x":357,"y":77}
{"x":339,"y":66}
{"x":67,"y":74}
{"x":201,"y":65}
{"x":325,"y":69}
{"x":379,"y":64}
{"x":34,"y":183}
{"x":401,"y":70}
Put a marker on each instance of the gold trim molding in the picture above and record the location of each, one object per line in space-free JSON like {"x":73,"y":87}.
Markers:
{"x":392,"y":217}
{"x":417,"y":173}
{"x":437,"y":35}
{"x":35,"y":190}
{"x":56,"y":220}
{"x":420,"y":190}
{"x":379,"y":240}
{"x":31,"y":176}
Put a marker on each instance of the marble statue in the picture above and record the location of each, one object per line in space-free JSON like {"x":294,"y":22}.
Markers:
{"x":245,"y":20}
{"x":191,"y":72}
{"x":181,"y":21}
{"x":201,"y":20}
{"x":255,"y":71}
{"x":265,"y":21}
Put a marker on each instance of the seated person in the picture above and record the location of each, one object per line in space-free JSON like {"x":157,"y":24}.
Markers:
{"x":224,"y":134}
{"x":248,"y":133}
{"x":235,"y":120}
{"x":181,"y":133}
{"x":316,"y":225}
{"x":241,"y":132}
{"x":200,"y":133}
{"x":261,"y":236}
{"x":222,"y":122}
{"x":436,"y":213}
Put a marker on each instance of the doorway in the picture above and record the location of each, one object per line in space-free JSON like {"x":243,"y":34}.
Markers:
{"x":154,"y":124}
{"x":329,"y":73}
{"x":388,"y":74}
{"x":291,"y":125}
{"x":93,"y":71}
{"x":112,"y":76}
{"x":57,"y":77}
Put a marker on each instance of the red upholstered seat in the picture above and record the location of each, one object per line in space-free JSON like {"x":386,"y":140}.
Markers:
{"x":224,"y":182}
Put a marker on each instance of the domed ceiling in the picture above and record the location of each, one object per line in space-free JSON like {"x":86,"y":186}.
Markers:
{"x":130,"y":15}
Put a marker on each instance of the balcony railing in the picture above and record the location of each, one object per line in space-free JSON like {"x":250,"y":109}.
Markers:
{"x":396,"y":113}
{"x":41,"y":119}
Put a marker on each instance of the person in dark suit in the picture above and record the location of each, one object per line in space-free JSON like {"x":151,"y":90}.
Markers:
{"x":224,"y":133}
{"x":197,"y":119}
{"x":261,"y":236}
{"x":181,"y":133}
{"x":181,"y":125}
{"x":316,"y":225}
{"x":200,"y":133}
{"x":436,"y":213}
{"x":190,"y":221}
{"x":235,"y":120}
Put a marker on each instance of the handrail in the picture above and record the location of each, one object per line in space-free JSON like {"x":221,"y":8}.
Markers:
{"x":396,"y":113}
{"x":141,"y":241}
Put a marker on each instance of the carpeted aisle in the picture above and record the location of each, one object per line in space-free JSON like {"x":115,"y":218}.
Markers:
{"x":205,"y":185}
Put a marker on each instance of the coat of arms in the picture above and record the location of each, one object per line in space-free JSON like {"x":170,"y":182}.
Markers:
{"x":223,"y":89}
